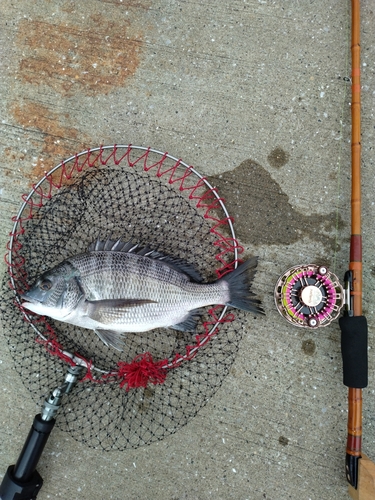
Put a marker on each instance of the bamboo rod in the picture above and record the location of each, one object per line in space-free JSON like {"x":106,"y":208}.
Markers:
{"x":356,"y":239}
{"x":354,"y":437}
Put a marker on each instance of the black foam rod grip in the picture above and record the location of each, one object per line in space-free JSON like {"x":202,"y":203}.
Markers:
{"x":354,"y":350}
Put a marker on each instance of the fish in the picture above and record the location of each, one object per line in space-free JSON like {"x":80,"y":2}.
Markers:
{"x":118,"y":287}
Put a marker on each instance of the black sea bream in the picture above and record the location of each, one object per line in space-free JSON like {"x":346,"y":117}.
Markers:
{"x":120,"y":287}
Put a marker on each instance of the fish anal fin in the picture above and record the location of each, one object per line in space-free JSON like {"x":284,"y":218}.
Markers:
{"x":190,"y":322}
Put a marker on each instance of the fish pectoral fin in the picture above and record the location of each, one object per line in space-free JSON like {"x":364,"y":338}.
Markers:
{"x":104,"y":311}
{"x":189,"y":324}
{"x":111,"y":338}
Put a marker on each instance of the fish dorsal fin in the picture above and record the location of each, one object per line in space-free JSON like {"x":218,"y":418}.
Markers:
{"x":179,"y":265}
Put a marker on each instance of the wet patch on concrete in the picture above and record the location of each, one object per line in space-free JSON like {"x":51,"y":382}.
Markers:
{"x":278,"y":157}
{"x":262,"y":212}
{"x":92,"y":58}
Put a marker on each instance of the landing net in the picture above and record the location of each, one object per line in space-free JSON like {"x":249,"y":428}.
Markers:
{"x":163,"y":377}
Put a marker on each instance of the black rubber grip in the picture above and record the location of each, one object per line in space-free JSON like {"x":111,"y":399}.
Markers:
{"x":11,"y":489}
{"x":354,"y":350}
{"x":32,"y":449}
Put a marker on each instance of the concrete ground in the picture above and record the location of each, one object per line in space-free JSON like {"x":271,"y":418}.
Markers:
{"x":232,"y":88}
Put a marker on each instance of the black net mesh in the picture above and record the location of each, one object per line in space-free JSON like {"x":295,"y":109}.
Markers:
{"x":150,"y":199}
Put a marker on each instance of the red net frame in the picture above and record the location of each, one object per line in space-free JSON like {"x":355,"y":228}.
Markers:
{"x":143,"y":369}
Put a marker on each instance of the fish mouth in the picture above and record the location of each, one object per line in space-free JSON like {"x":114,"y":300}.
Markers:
{"x":30,"y":304}
{"x":28,"y":300}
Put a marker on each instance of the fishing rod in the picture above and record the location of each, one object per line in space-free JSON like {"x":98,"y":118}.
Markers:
{"x":310,"y":296}
{"x":360,"y":471}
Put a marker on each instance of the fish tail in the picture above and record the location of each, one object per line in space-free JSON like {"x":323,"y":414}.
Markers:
{"x":239,"y":282}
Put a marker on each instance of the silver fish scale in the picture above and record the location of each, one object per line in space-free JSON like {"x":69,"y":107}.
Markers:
{"x":116,"y":275}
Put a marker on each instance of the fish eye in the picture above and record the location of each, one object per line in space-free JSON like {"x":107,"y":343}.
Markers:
{"x":45,"y":285}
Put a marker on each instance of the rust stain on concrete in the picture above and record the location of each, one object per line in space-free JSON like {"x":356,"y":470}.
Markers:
{"x":59,"y":138}
{"x":128,"y":4}
{"x":92,"y":58}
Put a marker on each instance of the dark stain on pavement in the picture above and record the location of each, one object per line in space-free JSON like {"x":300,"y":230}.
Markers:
{"x":278,"y":157}
{"x":284,"y":441}
{"x":308,"y":347}
{"x":262,"y":212}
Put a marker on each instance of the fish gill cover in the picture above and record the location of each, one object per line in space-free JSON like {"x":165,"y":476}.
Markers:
{"x":162,"y":377}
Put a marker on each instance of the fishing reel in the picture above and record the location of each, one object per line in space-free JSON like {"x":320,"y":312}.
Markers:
{"x":309,"y":296}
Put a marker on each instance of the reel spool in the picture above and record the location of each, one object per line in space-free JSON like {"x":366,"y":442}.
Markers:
{"x":309,"y":296}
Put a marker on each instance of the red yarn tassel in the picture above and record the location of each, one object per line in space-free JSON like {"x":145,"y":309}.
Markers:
{"x":141,"y":371}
